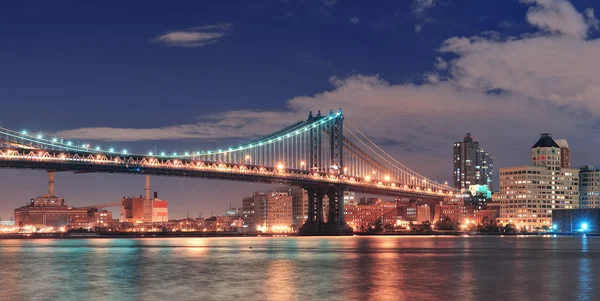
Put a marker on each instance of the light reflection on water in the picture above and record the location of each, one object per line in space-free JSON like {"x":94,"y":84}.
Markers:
{"x":301,"y":268}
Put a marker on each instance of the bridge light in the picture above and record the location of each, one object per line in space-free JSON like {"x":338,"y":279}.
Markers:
{"x":40,"y":136}
{"x":247,"y":157}
{"x":112,"y":150}
{"x":446,"y":183}
{"x":69,"y":143}
{"x":125,"y":152}
{"x":280,"y":166}
{"x":186,"y":153}
{"x":97,"y":148}
{"x":149,"y":153}
{"x":386,"y":178}
{"x":54,"y":140}
{"x":24,"y":132}
{"x":174,"y":154}
{"x":368,"y":178}
{"x":162,"y":154}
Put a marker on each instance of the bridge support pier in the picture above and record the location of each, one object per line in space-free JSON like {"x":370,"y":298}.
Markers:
{"x":335,"y":225}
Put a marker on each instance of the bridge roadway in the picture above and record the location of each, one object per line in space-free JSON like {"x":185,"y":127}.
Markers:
{"x":85,"y":162}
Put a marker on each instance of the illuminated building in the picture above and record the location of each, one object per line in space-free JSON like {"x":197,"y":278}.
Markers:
{"x":50,"y":211}
{"x":360,"y":217}
{"x":472,"y":164}
{"x":589,"y":187}
{"x":144,"y":209}
{"x":299,"y":203}
{"x":565,"y":153}
{"x":464,"y":212}
{"x":271,"y":212}
{"x":100,"y":218}
{"x":529,"y":194}
{"x":133,"y":210}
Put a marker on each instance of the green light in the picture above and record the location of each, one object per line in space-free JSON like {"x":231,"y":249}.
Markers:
{"x":209,"y":152}
{"x":230,"y":149}
{"x":112,"y":150}
{"x":40,"y":136}
{"x":149,"y":153}
{"x":186,"y":153}
{"x":24,"y":132}
{"x":54,"y":140}
{"x":197,"y":153}
{"x":125,"y":152}
{"x":97,"y":148}
{"x":162,"y":154}
{"x":174,"y":154}
{"x":69,"y":143}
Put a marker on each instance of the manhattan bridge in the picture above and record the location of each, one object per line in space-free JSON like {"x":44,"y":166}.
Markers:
{"x":324,"y":154}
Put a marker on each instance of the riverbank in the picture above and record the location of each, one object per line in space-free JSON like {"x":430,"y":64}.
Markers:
{"x":234,"y":234}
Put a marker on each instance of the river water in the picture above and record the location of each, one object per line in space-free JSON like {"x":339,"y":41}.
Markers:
{"x":302,"y":268}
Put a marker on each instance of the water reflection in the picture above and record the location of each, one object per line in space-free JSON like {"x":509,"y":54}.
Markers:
{"x":299,"y":268}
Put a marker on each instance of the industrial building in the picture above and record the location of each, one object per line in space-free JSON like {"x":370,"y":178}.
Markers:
{"x":144,"y":209}
{"x":49,"y":210}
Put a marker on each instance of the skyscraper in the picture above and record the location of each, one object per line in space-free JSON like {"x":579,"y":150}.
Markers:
{"x":472,"y":164}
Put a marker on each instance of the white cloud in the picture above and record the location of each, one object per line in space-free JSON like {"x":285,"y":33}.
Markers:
{"x":420,"y":6}
{"x":501,"y":89}
{"x":418,"y":28}
{"x":560,"y":17}
{"x":195,"y":36}
{"x":354,"y":20}
{"x":329,"y":2}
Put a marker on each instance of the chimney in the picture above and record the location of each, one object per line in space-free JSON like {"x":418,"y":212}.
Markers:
{"x":51,"y":183}
{"x":156,"y":194}
{"x":147,"y":189}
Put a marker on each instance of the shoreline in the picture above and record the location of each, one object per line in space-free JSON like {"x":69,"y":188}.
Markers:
{"x":128,"y":235}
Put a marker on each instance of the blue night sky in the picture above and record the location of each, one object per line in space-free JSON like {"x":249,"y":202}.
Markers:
{"x":185,"y":75}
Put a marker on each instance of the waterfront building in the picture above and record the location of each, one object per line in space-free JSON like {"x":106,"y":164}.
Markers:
{"x":49,"y":210}
{"x":529,"y":194}
{"x":299,"y":203}
{"x":576,"y":220}
{"x":565,"y":153}
{"x":363,"y":215}
{"x":589,"y":187}
{"x":133,"y":210}
{"x":472,"y":165}
{"x":268,"y":212}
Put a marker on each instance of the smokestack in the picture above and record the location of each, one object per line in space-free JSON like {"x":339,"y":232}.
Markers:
{"x":147,"y":187}
{"x":51,"y":183}
{"x":156,"y":194}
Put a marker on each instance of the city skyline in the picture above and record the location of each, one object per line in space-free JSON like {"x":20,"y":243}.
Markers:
{"x":175,"y":54}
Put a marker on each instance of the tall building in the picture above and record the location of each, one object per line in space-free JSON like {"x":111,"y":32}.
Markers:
{"x":589,"y":187}
{"x":269,"y":212}
{"x":299,"y":203}
{"x":565,"y":153}
{"x":529,"y":194}
{"x":472,"y":164}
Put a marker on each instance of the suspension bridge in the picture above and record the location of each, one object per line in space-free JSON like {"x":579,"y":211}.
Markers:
{"x":324,"y":154}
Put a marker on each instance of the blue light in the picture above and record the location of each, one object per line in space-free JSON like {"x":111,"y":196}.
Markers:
{"x":69,"y":142}
{"x":97,"y":148}
{"x":149,"y":153}
{"x":24,"y":132}
{"x":554,"y":227}
{"x":186,"y":153}
{"x":584,"y":226}
{"x":125,"y":152}
{"x":54,"y":140}
{"x":112,"y":150}
{"x":174,"y":154}
{"x":40,"y":136}
{"x":162,"y":154}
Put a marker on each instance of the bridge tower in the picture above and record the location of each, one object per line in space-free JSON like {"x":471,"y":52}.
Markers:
{"x":315,"y":224}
